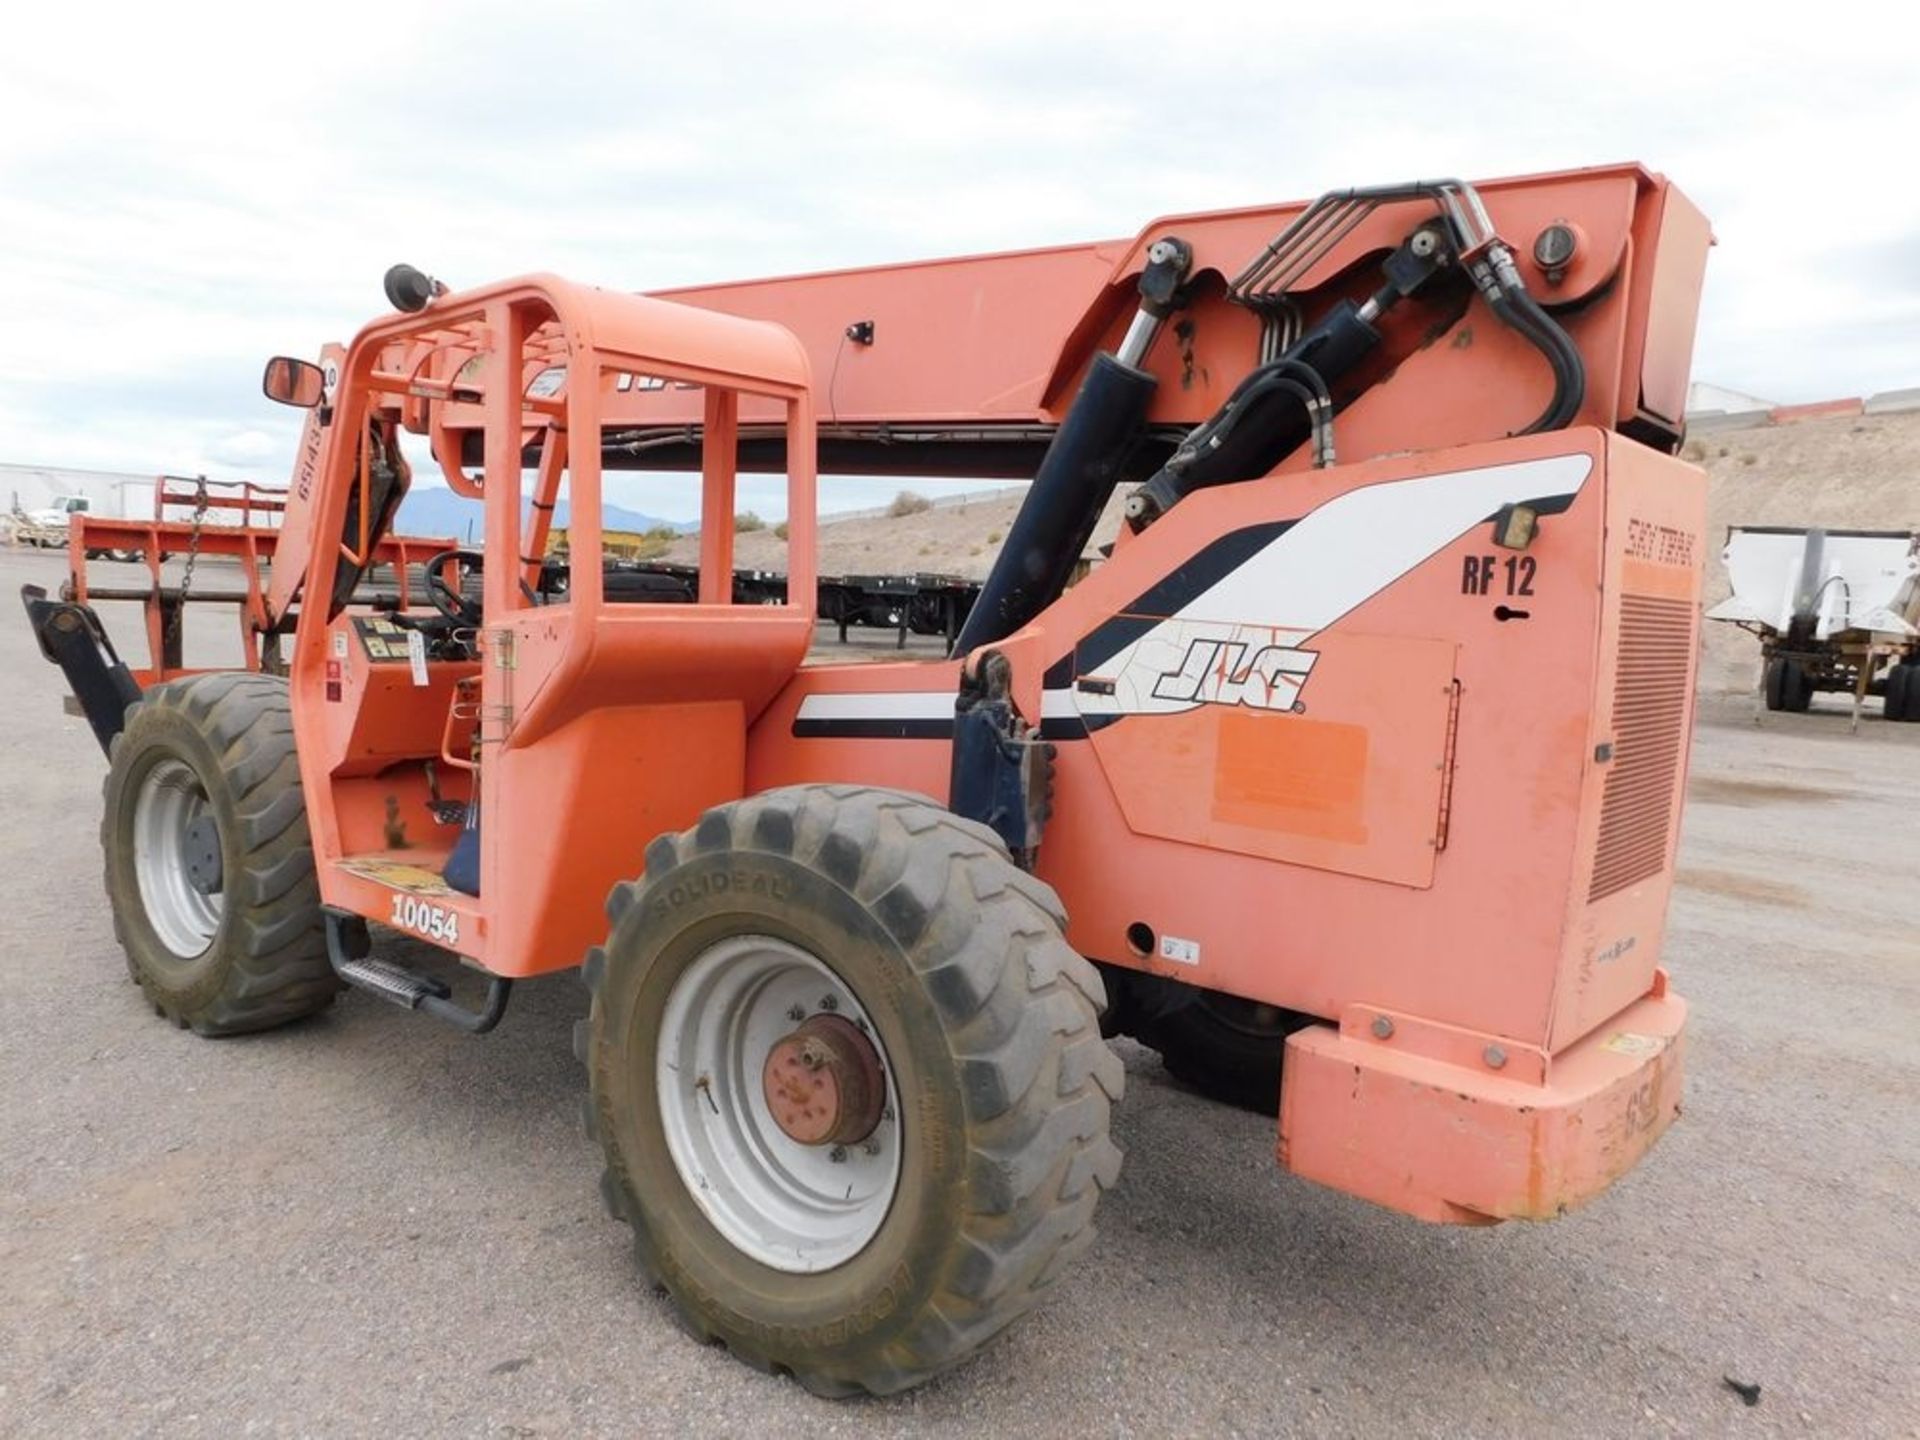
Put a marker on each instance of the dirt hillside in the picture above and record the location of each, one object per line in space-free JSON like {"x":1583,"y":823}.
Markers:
{"x":957,"y":539}
{"x":1850,"y":471}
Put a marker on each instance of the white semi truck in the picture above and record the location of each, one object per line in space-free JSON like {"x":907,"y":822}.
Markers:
{"x":1835,"y":610}
{"x":49,"y":524}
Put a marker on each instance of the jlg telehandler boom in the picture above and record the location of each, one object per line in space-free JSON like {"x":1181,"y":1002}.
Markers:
{"x":1350,"y":781}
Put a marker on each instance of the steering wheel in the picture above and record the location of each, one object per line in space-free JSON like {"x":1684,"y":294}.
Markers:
{"x":450,"y":598}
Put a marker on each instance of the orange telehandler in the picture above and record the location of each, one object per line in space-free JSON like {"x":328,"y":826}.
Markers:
{"x":1350,"y":780}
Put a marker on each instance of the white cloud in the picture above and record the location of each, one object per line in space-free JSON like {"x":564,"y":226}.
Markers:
{"x":187,"y":189}
{"x":244,"y":448}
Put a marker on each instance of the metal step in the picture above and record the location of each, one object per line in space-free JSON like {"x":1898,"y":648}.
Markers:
{"x":348,"y":951}
{"x":391,"y":982}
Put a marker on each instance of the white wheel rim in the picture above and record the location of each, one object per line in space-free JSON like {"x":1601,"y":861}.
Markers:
{"x":792,"y":1207}
{"x":170,"y":799}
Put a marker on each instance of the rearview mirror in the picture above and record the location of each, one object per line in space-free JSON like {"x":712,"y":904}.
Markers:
{"x":294,"y":382}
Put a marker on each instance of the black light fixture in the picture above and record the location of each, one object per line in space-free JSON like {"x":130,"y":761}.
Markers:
{"x":410,"y":289}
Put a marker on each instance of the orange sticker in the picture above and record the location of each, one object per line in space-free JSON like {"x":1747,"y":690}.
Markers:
{"x":1285,"y":772}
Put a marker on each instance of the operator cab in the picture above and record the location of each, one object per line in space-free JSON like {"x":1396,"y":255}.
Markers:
{"x":438,"y":717}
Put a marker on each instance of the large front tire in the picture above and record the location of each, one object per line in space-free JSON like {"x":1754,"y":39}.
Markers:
{"x":978,"y":1183}
{"x":209,"y":868}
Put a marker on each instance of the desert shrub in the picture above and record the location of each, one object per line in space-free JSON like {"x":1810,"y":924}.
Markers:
{"x":655,"y":543}
{"x":908,"y":502}
{"x":746,"y":522}
{"x":780,"y":531}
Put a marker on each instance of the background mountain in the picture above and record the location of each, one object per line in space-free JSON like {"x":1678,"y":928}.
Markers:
{"x":436,"y":510}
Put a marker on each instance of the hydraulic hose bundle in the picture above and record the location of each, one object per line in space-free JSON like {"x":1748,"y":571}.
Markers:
{"x":1279,"y":405}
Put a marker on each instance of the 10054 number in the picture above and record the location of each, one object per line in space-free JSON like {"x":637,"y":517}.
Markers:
{"x":436,"y":922}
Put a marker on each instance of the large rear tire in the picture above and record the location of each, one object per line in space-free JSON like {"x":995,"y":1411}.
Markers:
{"x":1227,"y":1048}
{"x":209,"y":868}
{"x":875,"y":1262}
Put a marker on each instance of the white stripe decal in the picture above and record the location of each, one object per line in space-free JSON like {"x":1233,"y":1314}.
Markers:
{"x":1357,"y":544}
{"x":883,"y":705}
{"x":1242,"y":641}
{"x":912,"y":705}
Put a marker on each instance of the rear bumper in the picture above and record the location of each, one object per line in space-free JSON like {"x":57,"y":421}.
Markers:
{"x":1454,"y":1139}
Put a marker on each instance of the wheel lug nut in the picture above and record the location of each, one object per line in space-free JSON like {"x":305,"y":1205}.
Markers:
{"x":829,"y":1003}
{"x":838,"y":1155}
{"x":796,"y":1013}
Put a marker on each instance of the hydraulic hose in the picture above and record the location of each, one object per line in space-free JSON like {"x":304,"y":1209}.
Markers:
{"x":1307,"y":376}
{"x":1506,"y":295}
{"x":1521,"y":314}
{"x":1572,"y":370}
{"x":1224,"y":449}
{"x":1178,"y":475}
{"x":1323,"y":417}
{"x":1257,"y":386}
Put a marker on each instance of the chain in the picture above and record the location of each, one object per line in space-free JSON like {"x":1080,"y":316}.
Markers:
{"x":193,"y":556}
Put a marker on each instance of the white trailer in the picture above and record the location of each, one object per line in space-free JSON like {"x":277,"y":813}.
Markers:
{"x":1835,"y":610}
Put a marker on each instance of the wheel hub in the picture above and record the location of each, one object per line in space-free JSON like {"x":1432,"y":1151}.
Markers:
{"x":200,"y":845}
{"x":176,"y":858}
{"x":824,"y":1084}
{"x":778,"y":1183}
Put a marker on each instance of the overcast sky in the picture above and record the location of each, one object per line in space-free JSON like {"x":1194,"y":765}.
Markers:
{"x":186,"y":189}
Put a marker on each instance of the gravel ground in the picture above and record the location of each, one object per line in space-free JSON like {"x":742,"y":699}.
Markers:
{"x":369,"y":1224}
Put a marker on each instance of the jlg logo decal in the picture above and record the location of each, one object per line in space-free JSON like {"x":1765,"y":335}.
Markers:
{"x":1232,"y":672}
{"x":1181,"y":664}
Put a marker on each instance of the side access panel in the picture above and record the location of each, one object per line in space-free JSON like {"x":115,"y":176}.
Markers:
{"x":1349,"y":781}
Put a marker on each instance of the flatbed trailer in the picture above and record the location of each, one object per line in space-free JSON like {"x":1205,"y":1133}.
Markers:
{"x":910,"y":604}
